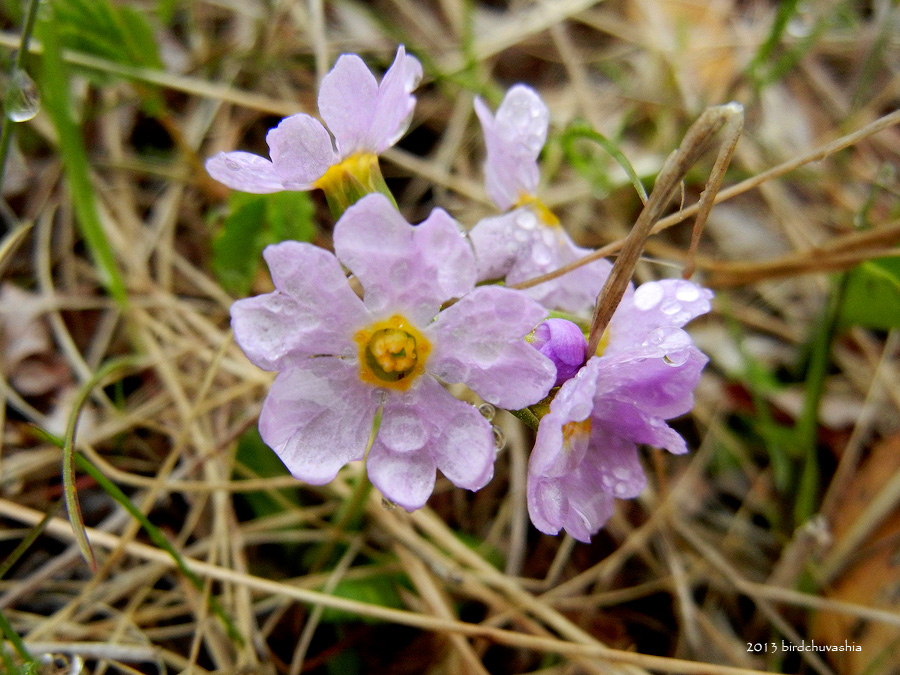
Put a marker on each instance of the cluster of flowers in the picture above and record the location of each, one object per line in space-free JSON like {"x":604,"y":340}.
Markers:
{"x":432,"y":312}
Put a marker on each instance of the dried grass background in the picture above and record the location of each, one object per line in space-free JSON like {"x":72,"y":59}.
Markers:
{"x":706,"y":563}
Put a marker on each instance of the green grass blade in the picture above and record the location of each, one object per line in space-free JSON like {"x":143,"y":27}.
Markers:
{"x":582,"y":130}
{"x":16,"y":641}
{"x":29,"y":539}
{"x":54,"y":85}
{"x":158,"y":538}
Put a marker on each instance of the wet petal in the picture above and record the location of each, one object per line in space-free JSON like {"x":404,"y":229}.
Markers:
{"x":405,"y":478}
{"x":347,"y":99}
{"x":615,"y":465}
{"x":394,"y":108}
{"x":669,"y":303}
{"x":313,"y":311}
{"x":301,"y":150}
{"x":318,"y":419}
{"x":495,"y":245}
{"x":245,"y":171}
{"x":480,"y":341}
{"x":514,"y":139}
{"x":402,"y":268}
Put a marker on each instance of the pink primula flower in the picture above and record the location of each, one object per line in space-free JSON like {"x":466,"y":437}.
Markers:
{"x":364,"y":117}
{"x":585,"y":455}
{"x":527,"y":241}
{"x":341,"y":358}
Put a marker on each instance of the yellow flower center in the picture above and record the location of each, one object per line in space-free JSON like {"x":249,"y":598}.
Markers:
{"x":358,"y":166}
{"x":348,"y":181}
{"x":392,"y":353}
{"x":575,"y":432}
{"x":540,"y":209}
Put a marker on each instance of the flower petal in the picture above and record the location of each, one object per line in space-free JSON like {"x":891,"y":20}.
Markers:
{"x":347,"y":97}
{"x":403,"y":268}
{"x":660,"y":382}
{"x":464,"y":447}
{"x":520,"y":246}
{"x":669,"y":303}
{"x":428,"y":420}
{"x":245,"y":171}
{"x":514,"y":139}
{"x":405,"y":478}
{"x":301,"y":151}
{"x":394,"y":107}
{"x":318,"y":419}
{"x":312,"y":312}
{"x":615,"y":464}
{"x":480,"y":341}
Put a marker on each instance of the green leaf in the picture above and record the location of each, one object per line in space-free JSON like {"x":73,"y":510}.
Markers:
{"x":117,"y":33}
{"x":255,"y":221}
{"x":376,"y":590}
{"x":872,"y":297}
{"x":258,"y":457}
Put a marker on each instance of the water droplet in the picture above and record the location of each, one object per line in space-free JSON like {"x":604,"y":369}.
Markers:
{"x":22,"y":101}
{"x":541,"y":255}
{"x":487,"y":411}
{"x":230,"y":164}
{"x":670,"y":307}
{"x":675,"y":359}
{"x":687,"y":293}
{"x":499,"y":438}
{"x":388,"y":504}
{"x":526,"y":220}
{"x":521,"y":235}
{"x":400,"y":272}
{"x":648,"y":295}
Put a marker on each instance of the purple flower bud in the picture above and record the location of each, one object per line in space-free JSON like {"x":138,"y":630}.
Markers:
{"x":563,"y":343}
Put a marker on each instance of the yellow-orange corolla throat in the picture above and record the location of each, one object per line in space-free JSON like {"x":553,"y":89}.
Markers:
{"x":392,"y":353}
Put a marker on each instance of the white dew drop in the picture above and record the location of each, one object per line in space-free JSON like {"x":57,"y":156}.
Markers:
{"x":648,"y":295}
{"x":499,"y":438}
{"x":230,"y":164}
{"x":22,"y":101}
{"x":487,"y":411}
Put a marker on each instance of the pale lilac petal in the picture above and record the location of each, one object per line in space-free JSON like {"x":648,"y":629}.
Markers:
{"x":520,"y":246}
{"x":318,"y":419}
{"x":405,"y":478}
{"x":301,"y":151}
{"x":572,"y":503}
{"x":245,"y":171}
{"x":544,"y":249}
{"x":394,"y":108}
{"x":427,"y":421}
{"x":660,"y":382}
{"x":480,"y":341}
{"x":464,"y":449}
{"x":495,"y":245}
{"x":546,"y":503}
{"x":312,"y":312}
{"x":615,"y":464}
{"x":514,"y":139}
{"x":412,"y":270}
{"x":669,"y":303}
{"x":624,"y":419}
{"x":347,"y":97}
